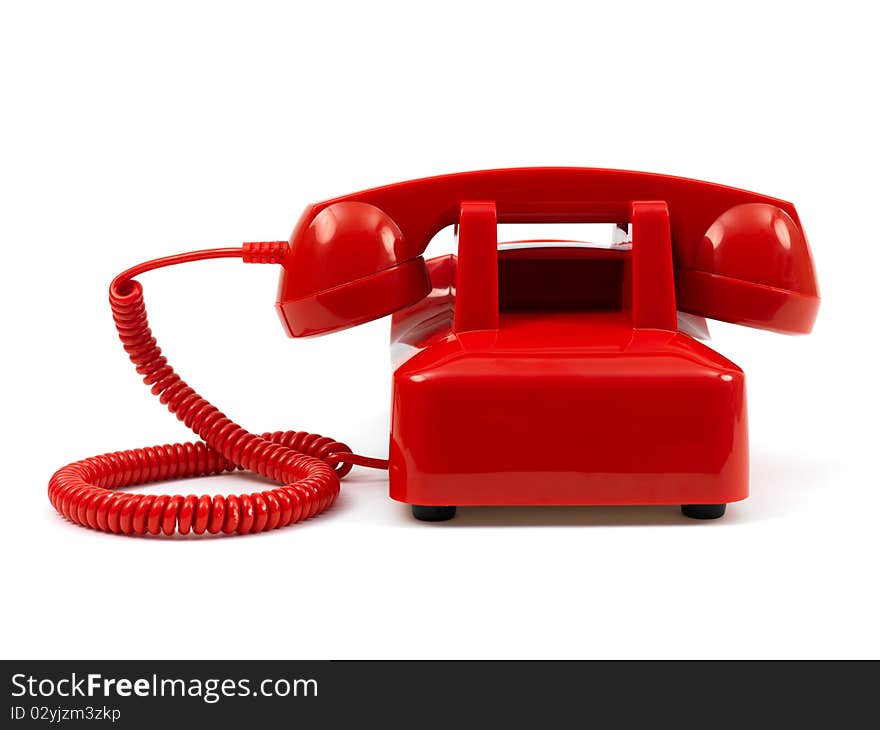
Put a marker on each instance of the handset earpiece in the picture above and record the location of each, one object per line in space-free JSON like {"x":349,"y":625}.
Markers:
{"x":348,"y":263}
{"x":753,"y":267}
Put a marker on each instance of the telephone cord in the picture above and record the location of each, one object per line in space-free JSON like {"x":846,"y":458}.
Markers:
{"x":307,"y":466}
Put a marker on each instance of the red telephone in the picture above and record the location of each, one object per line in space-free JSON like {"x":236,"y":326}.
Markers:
{"x":546,"y":375}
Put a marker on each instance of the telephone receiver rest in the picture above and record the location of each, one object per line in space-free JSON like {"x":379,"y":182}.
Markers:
{"x":739,"y":256}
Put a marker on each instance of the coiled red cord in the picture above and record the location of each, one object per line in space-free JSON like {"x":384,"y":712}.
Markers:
{"x":308,"y":466}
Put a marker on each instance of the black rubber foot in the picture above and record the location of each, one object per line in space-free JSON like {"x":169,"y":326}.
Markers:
{"x":703,"y":511}
{"x":432,"y":514}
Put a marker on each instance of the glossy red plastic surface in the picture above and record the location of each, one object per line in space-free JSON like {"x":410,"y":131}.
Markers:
{"x":477,"y":275}
{"x":585,"y":392}
{"x":747,"y":247}
{"x":566,"y":408}
{"x":754,"y":265}
{"x":348,"y":263}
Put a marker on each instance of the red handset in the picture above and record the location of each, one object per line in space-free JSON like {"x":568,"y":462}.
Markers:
{"x":542,"y":375}
{"x":739,"y":256}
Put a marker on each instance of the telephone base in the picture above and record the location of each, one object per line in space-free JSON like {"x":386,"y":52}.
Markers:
{"x":560,"y":408}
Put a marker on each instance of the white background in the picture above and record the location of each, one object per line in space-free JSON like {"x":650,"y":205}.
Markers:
{"x":130,"y":132}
